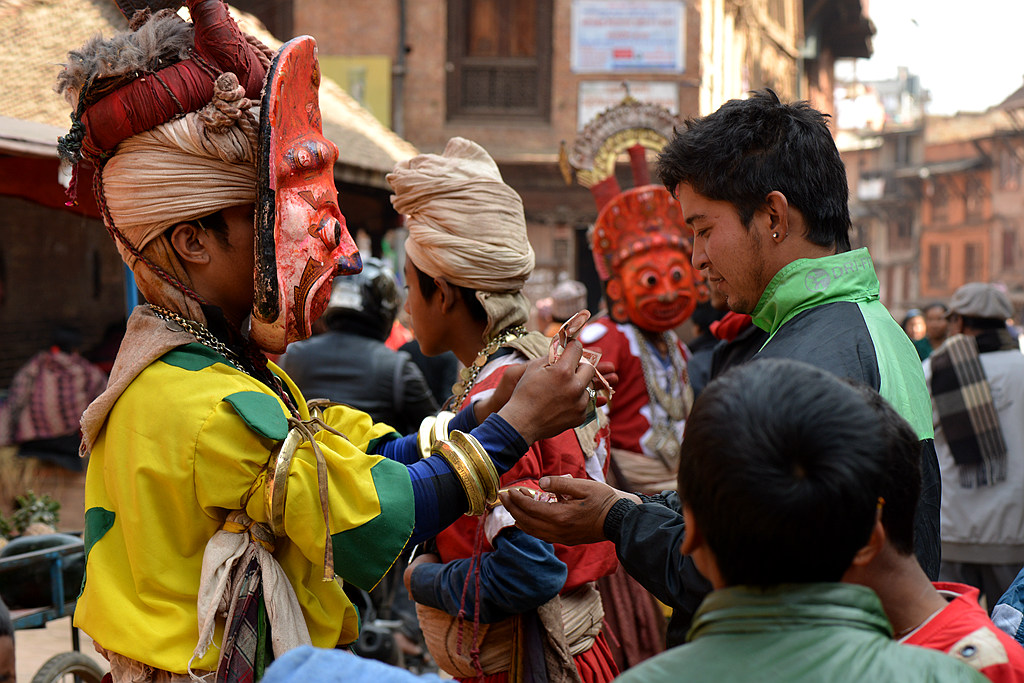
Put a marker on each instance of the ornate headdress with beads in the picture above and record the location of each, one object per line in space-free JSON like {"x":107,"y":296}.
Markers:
{"x":642,"y":220}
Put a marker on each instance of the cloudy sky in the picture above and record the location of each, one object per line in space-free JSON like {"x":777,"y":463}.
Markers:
{"x":970,"y":55}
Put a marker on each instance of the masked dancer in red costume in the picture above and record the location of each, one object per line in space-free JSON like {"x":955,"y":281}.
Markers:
{"x":642,"y":254}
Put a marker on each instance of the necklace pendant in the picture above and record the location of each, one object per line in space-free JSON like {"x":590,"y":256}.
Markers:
{"x":481,"y":360}
{"x":466,"y":373}
{"x":173,"y":326}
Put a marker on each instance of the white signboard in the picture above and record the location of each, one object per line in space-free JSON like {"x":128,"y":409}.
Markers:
{"x":619,"y":35}
{"x":596,"y":96}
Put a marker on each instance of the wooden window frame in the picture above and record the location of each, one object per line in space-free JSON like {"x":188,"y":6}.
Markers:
{"x":458,"y":62}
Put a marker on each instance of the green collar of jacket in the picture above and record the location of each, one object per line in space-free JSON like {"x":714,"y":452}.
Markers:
{"x":809,"y":283}
{"x":746,"y":609}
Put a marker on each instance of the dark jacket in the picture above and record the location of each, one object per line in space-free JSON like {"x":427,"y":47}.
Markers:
{"x":363,"y":373}
{"x":824,"y":312}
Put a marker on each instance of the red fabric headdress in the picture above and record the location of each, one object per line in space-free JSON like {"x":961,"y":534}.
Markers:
{"x":114,"y":108}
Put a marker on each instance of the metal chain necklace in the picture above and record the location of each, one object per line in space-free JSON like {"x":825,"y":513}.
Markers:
{"x":468,"y":374}
{"x":201,"y":333}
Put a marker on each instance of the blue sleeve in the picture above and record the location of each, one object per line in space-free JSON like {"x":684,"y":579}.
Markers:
{"x":1008,"y":614}
{"x":437,"y":494}
{"x":519,"y":575}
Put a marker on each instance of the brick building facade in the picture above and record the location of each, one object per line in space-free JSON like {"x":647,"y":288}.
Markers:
{"x":523,"y":76}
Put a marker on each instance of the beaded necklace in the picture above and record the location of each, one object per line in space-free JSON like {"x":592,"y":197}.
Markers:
{"x":468,"y":374}
{"x":663,"y":440}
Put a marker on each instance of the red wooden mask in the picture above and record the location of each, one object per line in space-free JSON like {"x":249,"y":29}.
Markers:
{"x":643,"y":256}
{"x":302,"y":240}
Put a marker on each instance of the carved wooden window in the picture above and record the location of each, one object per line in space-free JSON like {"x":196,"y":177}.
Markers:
{"x":973,"y":262}
{"x":938,"y":265}
{"x":499,"y":59}
{"x":1011,"y":246}
{"x":974,"y":199}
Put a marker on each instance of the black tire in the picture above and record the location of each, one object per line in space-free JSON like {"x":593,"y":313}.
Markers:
{"x":69,"y":664}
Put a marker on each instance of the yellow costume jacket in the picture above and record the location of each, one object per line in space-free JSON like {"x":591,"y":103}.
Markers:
{"x":186,"y":443}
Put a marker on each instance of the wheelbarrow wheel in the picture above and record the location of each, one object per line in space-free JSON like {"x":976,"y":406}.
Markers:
{"x":69,"y":666}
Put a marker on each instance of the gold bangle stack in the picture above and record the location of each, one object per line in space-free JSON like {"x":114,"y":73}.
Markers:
{"x":473,"y":467}
{"x":433,"y":429}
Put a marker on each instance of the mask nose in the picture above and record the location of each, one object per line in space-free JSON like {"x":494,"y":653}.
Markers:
{"x":349,"y":264}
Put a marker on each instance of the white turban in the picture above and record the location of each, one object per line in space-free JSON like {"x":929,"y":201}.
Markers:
{"x":466,"y":226}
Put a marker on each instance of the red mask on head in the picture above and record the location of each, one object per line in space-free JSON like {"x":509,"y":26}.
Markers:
{"x":643,"y":255}
{"x":302,"y":241}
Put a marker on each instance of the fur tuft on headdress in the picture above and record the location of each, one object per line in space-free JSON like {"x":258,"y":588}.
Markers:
{"x":164,"y":40}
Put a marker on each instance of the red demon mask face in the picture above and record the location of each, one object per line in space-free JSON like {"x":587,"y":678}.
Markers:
{"x":302,"y":241}
{"x":641,"y":252}
{"x":658,"y":288}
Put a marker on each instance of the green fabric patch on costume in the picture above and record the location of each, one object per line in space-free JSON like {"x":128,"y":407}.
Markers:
{"x":368,"y":551}
{"x":261,"y":412}
{"x":375,"y":445}
{"x":98,"y":522}
{"x":193,"y":357}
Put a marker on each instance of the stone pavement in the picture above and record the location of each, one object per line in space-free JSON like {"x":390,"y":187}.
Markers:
{"x":33,"y":647}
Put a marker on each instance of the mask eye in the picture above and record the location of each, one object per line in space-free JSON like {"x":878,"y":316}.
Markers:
{"x":329,"y":231}
{"x":676,"y":274}
{"x":649,"y":279}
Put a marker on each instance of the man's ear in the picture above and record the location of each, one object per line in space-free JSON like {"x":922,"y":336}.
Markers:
{"x":874,"y":545}
{"x":776,"y":210}
{"x":693,"y":538}
{"x":189,"y":242}
{"x":450,"y":295}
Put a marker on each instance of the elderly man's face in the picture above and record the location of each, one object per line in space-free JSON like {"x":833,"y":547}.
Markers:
{"x":730,"y":255}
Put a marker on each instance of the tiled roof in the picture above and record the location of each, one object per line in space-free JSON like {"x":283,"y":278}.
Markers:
{"x":36,"y":35}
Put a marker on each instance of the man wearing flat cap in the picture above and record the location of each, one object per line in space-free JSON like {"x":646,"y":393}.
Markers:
{"x":976,"y":380}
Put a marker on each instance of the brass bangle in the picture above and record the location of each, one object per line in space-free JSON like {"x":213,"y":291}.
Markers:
{"x":460,"y":464}
{"x":433,"y":428}
{"x":276,"y":488}
{"x":481,"y":463}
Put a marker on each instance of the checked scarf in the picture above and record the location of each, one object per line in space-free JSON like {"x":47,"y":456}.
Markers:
{"x":963,"y":401}
{"x":247,"y":650}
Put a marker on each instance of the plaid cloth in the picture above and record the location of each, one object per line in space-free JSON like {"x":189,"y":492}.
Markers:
{"x":963,"y":402}
{"x":47,"y":397}
{"x":247,"y":650}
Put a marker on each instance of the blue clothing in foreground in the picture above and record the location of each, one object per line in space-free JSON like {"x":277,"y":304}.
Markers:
{"x":307,"y":663}
{"x":1008,"y":614}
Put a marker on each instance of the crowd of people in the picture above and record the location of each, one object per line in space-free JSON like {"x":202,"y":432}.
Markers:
{"x":807,"y":498}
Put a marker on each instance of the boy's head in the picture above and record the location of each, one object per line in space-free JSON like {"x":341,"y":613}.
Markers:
{"x":901,"y":485}
{"x":749,"y":148}
{"x":780,"y":473}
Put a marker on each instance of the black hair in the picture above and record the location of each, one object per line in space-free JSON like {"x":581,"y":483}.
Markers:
{"x":781,"y":465}
{"x":705,"y":314}
{"x":750,"y":148}
{"x":6,"y":625}
{"x":983,"y":323}
{"x":216,"y":224}
{"x":935,"y":304}
{"x":901,"y":487}
{"x":66,"y":338}
{"x":428,"y":287}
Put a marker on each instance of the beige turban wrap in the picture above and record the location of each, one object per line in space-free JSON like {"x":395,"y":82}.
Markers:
{"x":467,"y":227}
{"x":182,"y":170}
